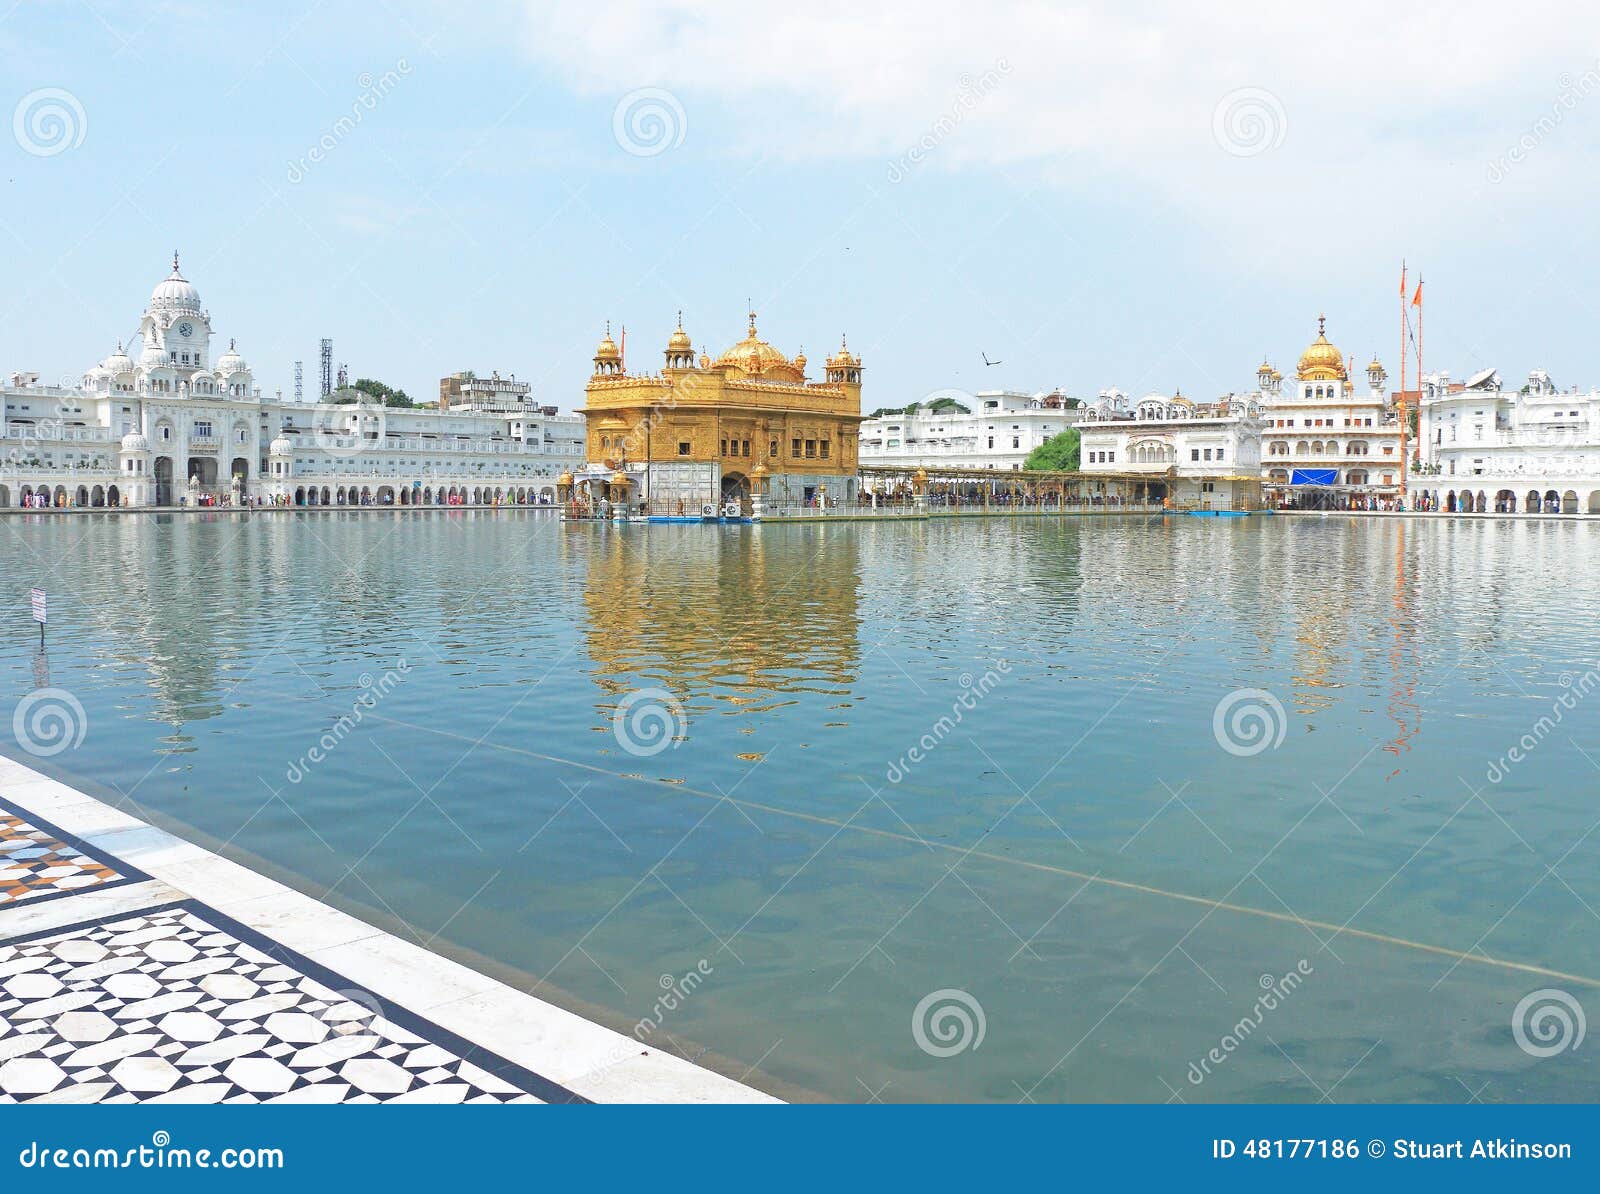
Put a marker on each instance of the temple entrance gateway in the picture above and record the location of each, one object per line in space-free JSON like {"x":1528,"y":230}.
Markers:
{"x":163,"y":476}
{"x":736,"y":488}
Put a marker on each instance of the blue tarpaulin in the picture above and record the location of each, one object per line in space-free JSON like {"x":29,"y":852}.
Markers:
{"x":1313,"y":476}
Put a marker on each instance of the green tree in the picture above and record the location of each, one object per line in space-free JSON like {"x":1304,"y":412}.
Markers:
{"x":1059,"y":453}
{"x":939,"y":406}
{"x":384,"y":394}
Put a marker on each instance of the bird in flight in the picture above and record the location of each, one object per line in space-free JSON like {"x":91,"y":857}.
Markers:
{"x":987,"y":361}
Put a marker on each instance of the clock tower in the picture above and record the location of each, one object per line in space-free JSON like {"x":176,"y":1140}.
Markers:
{"x":176,"y":325}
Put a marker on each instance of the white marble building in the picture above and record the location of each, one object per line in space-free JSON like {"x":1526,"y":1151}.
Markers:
{"x":1486,"y":449}
{"x":1197,"y":456}
{"x":179,"y":425}
{"x":1325,"y":443}
{"x":999,"y":431}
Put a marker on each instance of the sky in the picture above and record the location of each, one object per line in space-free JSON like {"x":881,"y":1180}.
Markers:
{"x":1145,"y":195}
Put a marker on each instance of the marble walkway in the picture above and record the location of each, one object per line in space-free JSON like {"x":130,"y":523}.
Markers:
{"x":138,"y":967}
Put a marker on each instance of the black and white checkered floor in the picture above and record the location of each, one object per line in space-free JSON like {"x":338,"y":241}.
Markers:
{"x":176,"y":1002}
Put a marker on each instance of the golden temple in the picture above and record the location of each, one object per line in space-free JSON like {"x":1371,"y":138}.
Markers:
{"x":701,"y":433}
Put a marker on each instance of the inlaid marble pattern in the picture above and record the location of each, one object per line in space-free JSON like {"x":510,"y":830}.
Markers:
{"x":182,"y":1004}
{"x":36,"y":864}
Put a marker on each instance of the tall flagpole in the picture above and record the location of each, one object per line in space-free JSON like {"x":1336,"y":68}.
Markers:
{"x":1402,"y":382}
{"x":1419,"y":341}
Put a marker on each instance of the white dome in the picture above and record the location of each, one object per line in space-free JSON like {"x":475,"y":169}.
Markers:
{"x":152,"y":357}
{"x":282,"y":446}
{"x":135,"y":442}
{"x":175,"y":291}
{"x":231,"y":362}
{"x":117,"y":362}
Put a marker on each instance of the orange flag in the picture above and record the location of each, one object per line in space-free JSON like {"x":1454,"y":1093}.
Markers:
{"x":1402,"y":281}
{"x":1416,"y":299}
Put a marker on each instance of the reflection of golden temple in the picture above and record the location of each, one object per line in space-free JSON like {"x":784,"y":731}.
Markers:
{"x":1317,"y":635}
{"x":719,"y":619}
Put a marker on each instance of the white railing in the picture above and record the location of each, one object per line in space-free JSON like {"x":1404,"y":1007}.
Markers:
{"x":309,"y":441}
{"x":51,"y":432}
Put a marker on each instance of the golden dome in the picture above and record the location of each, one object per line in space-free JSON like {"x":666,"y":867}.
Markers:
{"x":607,"y":349}
{"x":679,"y":341}
{"x":619,"y":478}
{"x":1322,"y":361}
{"x":760,"y":470}
{"x":842,"y":359}
{"x":800,"y":361}
{"x":754,"y":357}
{"x":565,"y":479}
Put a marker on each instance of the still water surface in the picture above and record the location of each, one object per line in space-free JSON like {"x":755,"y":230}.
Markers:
{"x":963,"y":756}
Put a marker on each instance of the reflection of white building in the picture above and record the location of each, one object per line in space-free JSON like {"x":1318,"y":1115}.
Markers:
{"x":176,"y":424}
{"x":1532,"y":450}
{"x":1201,"y":456}
{"x":998,"y":431}
{"x":1325,"y":442}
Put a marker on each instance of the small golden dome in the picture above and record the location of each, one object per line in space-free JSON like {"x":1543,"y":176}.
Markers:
{"x":842,"y":359}
{"x":679,"y":341}
{"x":760,"y":470}
{"x":607,"y":349}
{"x":565,"y":479}
{"x":1376,"y":364}
{"x":800,"y":361}
{"x":1322,"y":361}
{"x":619,"y":478}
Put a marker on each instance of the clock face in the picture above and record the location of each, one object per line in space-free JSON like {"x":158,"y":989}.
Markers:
{"x":186,"y":330}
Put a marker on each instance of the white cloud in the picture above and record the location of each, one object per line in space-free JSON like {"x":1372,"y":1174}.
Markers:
{"x":1383,"y":102}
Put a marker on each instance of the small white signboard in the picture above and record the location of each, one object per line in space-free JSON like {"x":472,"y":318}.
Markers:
{"x":39,"y":616}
